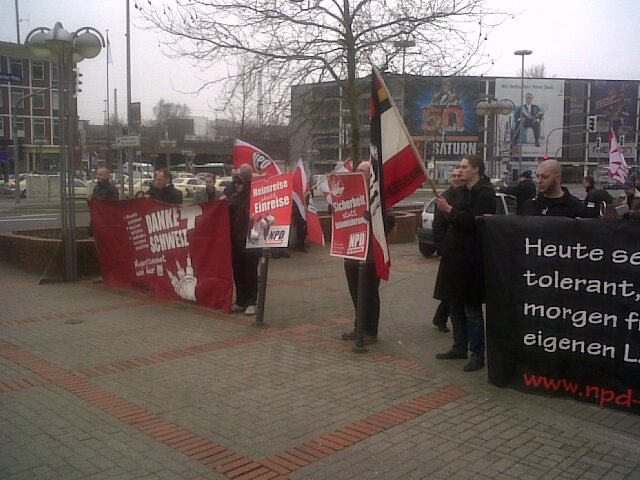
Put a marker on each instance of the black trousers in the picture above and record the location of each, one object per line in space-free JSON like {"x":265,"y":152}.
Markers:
{"x":245,"y":274}
{"x":441,"y":315}
{"x":372,"y":296}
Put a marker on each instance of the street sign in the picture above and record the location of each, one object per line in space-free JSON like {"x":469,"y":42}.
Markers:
{"x":10,"y":77}
{"x":128,"y":141}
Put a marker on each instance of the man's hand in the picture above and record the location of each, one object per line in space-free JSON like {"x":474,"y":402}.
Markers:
{"x":443,"y":205}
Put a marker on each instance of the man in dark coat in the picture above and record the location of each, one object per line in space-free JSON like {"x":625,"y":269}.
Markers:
{"x":553,"y":199}
{"x":440,"y":226}
{"x":461,"y":274}
{"x":596,"y":199}
{"x":163,"y":190}
{"x":209,"y":193}
{"x":523,"y":191}
{"x":371,"y":280}
{"x":104,"y":189}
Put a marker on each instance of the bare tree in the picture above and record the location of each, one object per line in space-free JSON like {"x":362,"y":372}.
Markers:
{"x":304,"y":41}
{"x":535,"y":71}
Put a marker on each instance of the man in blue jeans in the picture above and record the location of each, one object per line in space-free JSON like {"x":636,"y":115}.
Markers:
{"x":461,"y":275}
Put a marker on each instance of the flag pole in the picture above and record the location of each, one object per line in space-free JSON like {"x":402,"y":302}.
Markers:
{"x":406,"y":131}
{"x":107,"y":162}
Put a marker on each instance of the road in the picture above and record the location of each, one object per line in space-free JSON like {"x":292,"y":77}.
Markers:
{"x":26,"y":216}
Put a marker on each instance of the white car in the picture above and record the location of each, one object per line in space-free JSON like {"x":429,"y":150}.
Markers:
{"x":505,"y":205}
{"x":188,"y":186}
{"x":222,"y":183}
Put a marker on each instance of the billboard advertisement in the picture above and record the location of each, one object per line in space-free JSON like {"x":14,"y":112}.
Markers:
{"x":615,"y":103}
{"x":530,"y":124}
{"x":440,"y":112}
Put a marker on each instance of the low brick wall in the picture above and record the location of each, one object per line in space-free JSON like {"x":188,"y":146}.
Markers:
{"x":40,"y":251}
{"x":404,"y":232}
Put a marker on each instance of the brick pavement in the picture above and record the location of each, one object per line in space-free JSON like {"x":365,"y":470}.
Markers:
{"x":97,"y":382}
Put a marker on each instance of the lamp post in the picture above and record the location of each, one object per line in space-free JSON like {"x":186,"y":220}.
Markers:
{"x":404,"y":44}
{"x":493,"y":107}
{"x":522,"y":54}
{"x":68,"y":49}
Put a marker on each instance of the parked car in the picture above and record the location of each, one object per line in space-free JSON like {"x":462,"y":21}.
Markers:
{"x":11,"y":187}
{"x":505,"y":205}
{"x":188,"y":186}
{"x":182,"y":175}
{"x":141,"y":187}
{"x":81,"y":188}
{"x":222,"y":183}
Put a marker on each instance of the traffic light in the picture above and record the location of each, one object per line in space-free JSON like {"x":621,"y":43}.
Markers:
{"x":592,"y":123}
{"x":76,"y":81}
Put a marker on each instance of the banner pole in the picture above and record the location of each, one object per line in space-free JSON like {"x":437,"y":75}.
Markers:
{"x":361,"y":307}
{"x":262,"y":288}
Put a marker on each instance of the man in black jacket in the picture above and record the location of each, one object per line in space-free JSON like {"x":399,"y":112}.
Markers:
{"x":439,"y":227}
{"x":523,"y":191}
{"x":104,"y":189}
{"x":595,"y":200}
{"x":461,"y":274}
{"x":553,"y":199}
{"x":163,"y":190}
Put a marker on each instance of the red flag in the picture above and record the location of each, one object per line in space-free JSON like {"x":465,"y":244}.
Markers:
{"x":403,"y":171}
{"x":303,"y":198}
{"x":262,"y":163}
{"x":618,"y":168}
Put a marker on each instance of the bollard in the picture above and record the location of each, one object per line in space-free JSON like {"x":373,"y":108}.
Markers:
{"x":361,"y":308}
{"x":262,"y":288}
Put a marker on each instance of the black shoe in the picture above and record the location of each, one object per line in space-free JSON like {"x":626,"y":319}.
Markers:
{"x":275,"y":254}
{"x":450,"y":355}
{"x":285,"y":255}
{"x":349,"y":335}
{"x":475,"y":363}
{"x":370,"y":339}
{"x":443,"y":328}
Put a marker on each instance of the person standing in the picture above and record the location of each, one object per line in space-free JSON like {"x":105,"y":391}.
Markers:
{"x":104,"y":189}
{"x":209,"y":193}
{"x":533,"y":115}
{"x":553,"y":199}
{"x":440,"y":227}
{"x":630,"y":200}
{"x":244,"y":261}
{"x":523,"y":191}
{"x":163,"y":190}
{"x":460,"y":278}
{"x":371,"y":281}
{"x":595,"y":200}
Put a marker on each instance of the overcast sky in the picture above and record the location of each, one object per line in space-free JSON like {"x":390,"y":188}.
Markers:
{"x":572,"y":38}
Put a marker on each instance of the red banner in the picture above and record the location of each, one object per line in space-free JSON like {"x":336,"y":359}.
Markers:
{"x":167,"y":251}
{"x":350,"y":228}
{"x":270,"y":211}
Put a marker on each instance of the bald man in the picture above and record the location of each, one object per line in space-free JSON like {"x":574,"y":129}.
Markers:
{"x":104,"y":189}
{"x":553,"y":199}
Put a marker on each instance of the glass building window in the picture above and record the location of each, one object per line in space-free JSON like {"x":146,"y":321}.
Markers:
{"x":1,"y":127}
{"x":39,"y":129}
{"x":38,"y":101}
{"x":20,"y":128}
{"x":54,"y":72}
{"x":37,"y":70}
{"x":16,"y":94}
{"x":55,"y":99}
{"x":56,"y":131}
{"x":15,"y":66}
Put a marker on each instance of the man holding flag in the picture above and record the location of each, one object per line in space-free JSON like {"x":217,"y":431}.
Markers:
{"x":394,"y":172}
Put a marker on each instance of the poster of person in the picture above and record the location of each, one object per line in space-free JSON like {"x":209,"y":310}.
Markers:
{"x":349,"y":225}
{"x":530,"y":124}
{"x":441,"y":113}
{"x":167,"y":251}
{"x":563,"y":307}
{"x":615,"y":102}
{"x":270,"y":211}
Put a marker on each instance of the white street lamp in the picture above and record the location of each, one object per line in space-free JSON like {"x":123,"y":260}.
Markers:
{"x":493,"y":107}
{"x":522,"y":54}
{"x":68,"y":49}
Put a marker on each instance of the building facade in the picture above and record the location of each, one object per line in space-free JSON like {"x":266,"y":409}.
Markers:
{"x":37,"y":117}
{"x":548,"y":118}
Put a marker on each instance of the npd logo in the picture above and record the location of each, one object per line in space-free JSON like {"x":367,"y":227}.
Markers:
{"x":260,"y":161}
{"x":357,"y":243}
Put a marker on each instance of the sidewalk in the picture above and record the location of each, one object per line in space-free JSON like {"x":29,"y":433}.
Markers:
{"x":102,"y":383}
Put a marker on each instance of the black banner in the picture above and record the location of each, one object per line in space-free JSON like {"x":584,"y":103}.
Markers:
{"x":563,"y":307}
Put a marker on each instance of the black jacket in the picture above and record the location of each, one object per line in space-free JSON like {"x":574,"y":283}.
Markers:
{"x":594,"y":199}
{"x":168,"y":194}
{"x":565,"y":206}
{"x":105,"y":191}
{"x":440,"y":220}
{"x":523,"y":191}
{"x":461,"y":273}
